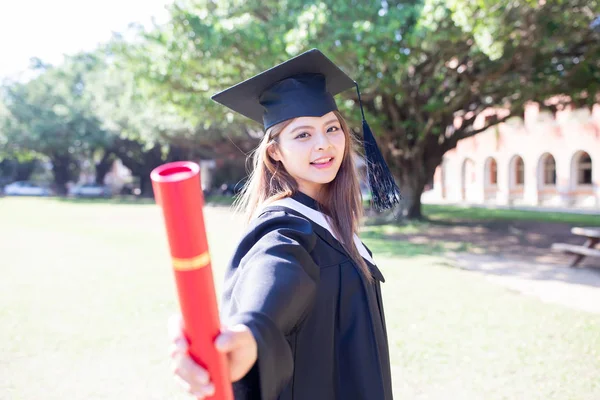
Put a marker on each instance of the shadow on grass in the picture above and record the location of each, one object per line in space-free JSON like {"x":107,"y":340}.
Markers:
{"x":387,"y":246}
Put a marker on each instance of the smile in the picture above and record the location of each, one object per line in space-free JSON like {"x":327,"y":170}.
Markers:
{"x":322,"y":162}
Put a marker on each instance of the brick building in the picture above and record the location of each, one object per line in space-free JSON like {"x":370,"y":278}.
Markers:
{"x":540,"y":160}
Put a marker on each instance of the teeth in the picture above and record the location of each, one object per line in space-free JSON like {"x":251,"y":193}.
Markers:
{"x":322,"y":161}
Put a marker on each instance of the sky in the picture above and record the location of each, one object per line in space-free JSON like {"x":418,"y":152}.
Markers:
{"x":50,"y":28}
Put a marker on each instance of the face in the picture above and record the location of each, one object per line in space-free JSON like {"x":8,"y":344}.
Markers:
{"x":311,"y":149}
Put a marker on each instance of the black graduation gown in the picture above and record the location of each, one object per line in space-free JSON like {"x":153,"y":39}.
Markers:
{"x":319,"y":325}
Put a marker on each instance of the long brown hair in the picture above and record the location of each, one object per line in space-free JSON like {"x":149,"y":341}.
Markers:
{"x":340,"y":199}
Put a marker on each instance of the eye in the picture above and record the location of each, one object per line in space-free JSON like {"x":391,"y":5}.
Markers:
{"x":302,"y":135}
{"x":333,"y":129}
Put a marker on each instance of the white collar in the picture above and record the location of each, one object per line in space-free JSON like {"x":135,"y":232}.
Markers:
{"x":320,"y":219}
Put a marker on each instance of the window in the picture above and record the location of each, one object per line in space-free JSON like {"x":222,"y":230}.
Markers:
{"x":549,"y":171}
{"x":493,"y":172}
{"x":519,"y":171}
{"x":584,"y":170}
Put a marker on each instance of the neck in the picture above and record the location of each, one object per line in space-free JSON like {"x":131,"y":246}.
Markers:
{"x":312,"y":191}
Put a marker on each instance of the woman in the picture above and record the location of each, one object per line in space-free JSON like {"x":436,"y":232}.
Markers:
{"x":302,"y":308}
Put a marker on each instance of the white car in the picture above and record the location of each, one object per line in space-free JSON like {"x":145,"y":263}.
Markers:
{"x":90,"y":190}
{"x":26,"y":188}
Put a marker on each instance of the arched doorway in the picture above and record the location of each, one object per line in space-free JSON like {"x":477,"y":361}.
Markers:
{"x":581,"y":180}
{"x":546,"y":180}
{"x":490,"y":182}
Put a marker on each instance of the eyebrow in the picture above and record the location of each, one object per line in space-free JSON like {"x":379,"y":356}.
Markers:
{"x":331,"y":121}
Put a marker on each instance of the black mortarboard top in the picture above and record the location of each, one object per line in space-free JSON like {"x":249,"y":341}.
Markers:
{"x":305,"y":86}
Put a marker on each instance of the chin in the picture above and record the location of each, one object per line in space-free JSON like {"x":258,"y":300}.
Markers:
{"x":323,"y":179}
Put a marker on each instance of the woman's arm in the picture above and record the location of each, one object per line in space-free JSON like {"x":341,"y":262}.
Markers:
{"x":271,"y":291}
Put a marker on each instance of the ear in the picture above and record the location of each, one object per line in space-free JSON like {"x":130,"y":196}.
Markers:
{"x":273,"y":152}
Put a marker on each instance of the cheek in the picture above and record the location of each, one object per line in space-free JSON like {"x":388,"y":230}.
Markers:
{"x":295,"y":154}
{"x":340,"y":142}
{"x":297,"y":148}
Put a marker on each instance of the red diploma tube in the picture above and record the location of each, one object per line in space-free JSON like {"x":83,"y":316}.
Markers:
{"x":178,"y":191}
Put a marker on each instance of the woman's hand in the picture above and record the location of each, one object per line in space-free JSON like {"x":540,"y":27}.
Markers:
{"x":237,"y":342}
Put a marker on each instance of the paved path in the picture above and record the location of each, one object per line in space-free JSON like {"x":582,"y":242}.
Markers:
{"x":572,"y":287}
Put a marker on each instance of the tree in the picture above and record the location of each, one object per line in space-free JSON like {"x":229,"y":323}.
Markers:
{"x":142,"y":131}
{"x":428,"y":69}
{"x":163,"y":124}
{"x":51,"y":115}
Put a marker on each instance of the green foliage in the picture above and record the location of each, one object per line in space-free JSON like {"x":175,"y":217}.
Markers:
{"x":52,"y":113}
{"x":422,"y":65}
{"x":129,"y":110}
{"x":426,"y":68}
{"x":419,"y":61}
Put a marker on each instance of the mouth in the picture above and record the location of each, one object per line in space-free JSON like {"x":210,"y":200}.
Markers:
{"x":323,"y":162}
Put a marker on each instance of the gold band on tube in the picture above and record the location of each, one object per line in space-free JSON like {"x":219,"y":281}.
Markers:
{"x":189,"y":264}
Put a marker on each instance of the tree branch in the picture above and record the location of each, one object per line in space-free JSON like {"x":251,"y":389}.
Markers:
{"x":465,"y":133}
{"x":389,"y":104}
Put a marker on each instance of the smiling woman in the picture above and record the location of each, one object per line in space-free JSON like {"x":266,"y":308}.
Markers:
{"x":313,"y":156}
{"x":302,"y":302}
{"x":311,"y":150}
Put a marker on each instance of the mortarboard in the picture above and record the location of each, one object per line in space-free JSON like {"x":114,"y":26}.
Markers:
{"x":305,"y":86}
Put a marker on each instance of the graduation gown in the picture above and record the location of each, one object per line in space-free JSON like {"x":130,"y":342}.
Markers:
{"x":319,"y":324}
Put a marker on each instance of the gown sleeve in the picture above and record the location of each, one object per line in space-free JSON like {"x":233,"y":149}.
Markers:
{"x":271,"y":290}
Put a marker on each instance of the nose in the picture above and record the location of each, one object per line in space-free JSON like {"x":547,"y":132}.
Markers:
{"x":322,"y":141}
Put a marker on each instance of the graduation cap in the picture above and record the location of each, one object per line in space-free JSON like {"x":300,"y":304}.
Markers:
{"x":305,"y":86}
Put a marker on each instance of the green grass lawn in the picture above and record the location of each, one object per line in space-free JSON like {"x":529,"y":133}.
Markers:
{"x":86,"y":291}
{"x":449,"y":213}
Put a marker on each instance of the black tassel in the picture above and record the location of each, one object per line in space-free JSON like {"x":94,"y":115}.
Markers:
{"x":384,"y":190}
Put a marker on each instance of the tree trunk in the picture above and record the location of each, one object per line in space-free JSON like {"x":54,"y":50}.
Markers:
{"x":152,"y":159}
{"x":141,"y":163}
{"x":411,"y":189}
{"x":62,"y":171}
{"x":146,"y":185}
{"x":413,"y":175}
{"x":103,"y":166}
